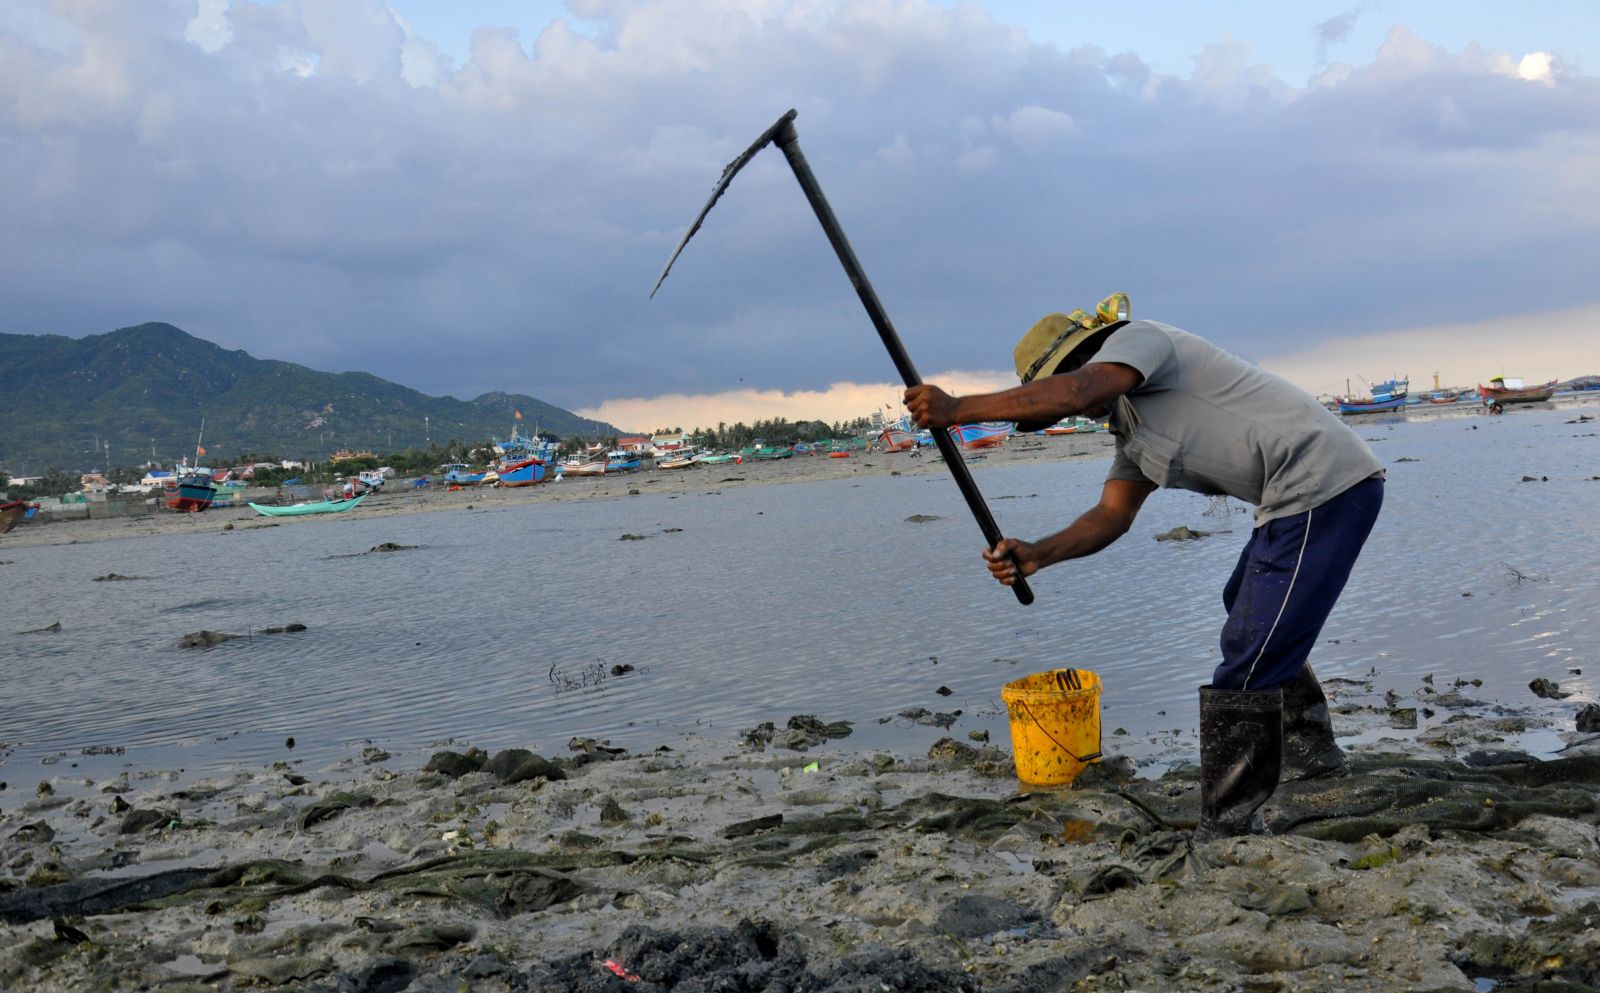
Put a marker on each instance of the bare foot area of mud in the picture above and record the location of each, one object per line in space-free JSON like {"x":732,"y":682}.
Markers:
{"x":1449,"y":860}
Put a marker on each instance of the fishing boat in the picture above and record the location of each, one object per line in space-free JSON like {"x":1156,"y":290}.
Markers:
{"x":461,"y":474}
{"x":973,"y":436}
{"x":580,"y":466}
{"x":1503,"y":390}
{"x":722,"y":458}
{"x":192,"y":489}
{"x":15,"y":512}
{"x":682,"y":458}
{"x":1072,"y":425}
{"x":772,"y":452}
{"x":316,"y":507}
{"x":1443,"y":397}
{"x":524,"y":472}
{"x":897,"y":439}
{"x":622,"y":461}
{"x":1390,"y":395}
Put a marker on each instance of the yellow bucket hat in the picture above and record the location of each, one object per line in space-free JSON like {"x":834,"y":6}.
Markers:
{"x":1048,"y":343}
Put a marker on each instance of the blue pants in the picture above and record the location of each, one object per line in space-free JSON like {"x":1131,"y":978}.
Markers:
{"x":1289,"y":576}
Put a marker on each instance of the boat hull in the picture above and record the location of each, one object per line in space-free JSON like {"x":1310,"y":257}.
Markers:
{"x":305,"y":509}
{"x":14,"y":513}
{"x":191,"y":495}
{"x":528,"y":473}
{"x":584,"y":469}
{"x":1538,"y":394}
{"x":896,"y":440}
{"x":1370,"y":407}
{"x":976,"y":436}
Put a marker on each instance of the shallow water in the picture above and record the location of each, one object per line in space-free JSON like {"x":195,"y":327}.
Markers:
{"x":501,"y":628}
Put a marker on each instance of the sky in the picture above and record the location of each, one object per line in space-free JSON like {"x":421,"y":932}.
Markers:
{"x":478,"y":195}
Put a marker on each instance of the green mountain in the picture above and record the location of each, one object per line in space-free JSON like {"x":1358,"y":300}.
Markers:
{"x":147,"y":387}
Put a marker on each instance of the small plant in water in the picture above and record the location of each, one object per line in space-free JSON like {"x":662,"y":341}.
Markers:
{"x":563,"y":680}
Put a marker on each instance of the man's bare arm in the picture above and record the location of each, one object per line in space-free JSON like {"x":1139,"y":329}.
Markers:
{"x":1090,"y":389}
{"x":1102,"y":524}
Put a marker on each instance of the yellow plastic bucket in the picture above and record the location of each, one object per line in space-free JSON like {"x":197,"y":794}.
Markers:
{"x":1055,"y":724}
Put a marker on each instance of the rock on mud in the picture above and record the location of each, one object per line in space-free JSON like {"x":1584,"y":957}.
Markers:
{"x":1182,"y":533}
{"x":204,"y":639}
{"x":1547,"y":689}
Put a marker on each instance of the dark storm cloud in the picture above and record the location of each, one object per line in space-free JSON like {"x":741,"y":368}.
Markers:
{"x":316,"y":184}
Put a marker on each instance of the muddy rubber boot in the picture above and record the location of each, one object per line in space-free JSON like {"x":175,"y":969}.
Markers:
{"x":1309,"y":751}
{"x":1241,"y":754}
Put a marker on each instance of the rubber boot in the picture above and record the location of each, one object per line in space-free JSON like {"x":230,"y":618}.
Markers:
{"x":1309,"y":751}
{"x":1241,"y":754}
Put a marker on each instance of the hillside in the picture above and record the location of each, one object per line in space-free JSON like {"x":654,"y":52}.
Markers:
{"x":147,"y":387}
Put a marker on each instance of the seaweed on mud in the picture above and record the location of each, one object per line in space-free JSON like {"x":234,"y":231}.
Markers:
{"x":752,"y":955}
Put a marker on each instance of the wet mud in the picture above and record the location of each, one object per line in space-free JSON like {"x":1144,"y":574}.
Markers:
{"x":1447,"y":860}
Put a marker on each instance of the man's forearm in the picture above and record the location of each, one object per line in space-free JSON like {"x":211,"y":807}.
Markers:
{"x":1044,"y":400}
{"x":1088,"y":534}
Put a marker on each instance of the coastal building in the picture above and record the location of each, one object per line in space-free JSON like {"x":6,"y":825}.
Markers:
{"x":668,"y":442}
{"x":636,"y":443}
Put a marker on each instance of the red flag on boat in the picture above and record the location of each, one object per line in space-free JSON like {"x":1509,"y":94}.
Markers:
{"x":517,"y":414}
{"x":198,"y":450}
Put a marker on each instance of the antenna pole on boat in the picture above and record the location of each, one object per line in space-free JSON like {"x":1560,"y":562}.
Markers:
{"x":783,"y":133}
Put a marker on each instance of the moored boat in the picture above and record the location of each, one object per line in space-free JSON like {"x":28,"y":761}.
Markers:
{"x":15,"y":512}
{"x":772,"y":452}
{"x":722,"y":458}
{"x":580,"y":466}
{"x":523,"y":472}
{"x":315,"y":507}
{"x":898,"y":439}
{"x":1503,"y":390}
{"x":682,"y":458}
{"x":191,"y":492}
{"x":1443,"y":396}
{"x":1390,"y":395}
{"x":972,"y":436}
{"x":461,"y":474}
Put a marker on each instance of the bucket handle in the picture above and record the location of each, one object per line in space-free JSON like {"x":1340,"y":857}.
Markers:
{"x":1067,"y":679}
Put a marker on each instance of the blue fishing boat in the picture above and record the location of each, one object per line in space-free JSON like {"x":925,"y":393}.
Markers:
{"x":622,"y":461}
{"x":981,"y":435}
{"x":1389,"y":395}
{"x":525,"y":472}
{"x":461,"y":474}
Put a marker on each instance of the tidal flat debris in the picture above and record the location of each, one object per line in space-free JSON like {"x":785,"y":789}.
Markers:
{"x":205,"y":639}
{"x":47,"y":629}
{"x":390,"y":546}
{"x":923,"y":518}
{"x":456,"y":764}
{"x":1588,"y":719}
{"x":113,"y":577}
{"x":633,"y":537}
{"x":1181,"y":533}
{"x":285,"y":629}
{"x":1547,"y":689}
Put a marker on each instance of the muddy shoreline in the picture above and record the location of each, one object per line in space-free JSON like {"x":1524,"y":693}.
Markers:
{"x":1450,"y":860}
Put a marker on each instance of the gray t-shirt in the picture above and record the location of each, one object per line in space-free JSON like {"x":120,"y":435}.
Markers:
{"x":1207,"y":421}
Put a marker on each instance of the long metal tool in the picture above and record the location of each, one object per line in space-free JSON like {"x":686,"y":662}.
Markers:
{"x":784,"y":134}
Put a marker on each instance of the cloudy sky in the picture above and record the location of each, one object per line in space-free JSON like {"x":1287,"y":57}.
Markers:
{"x":477,"y":195}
